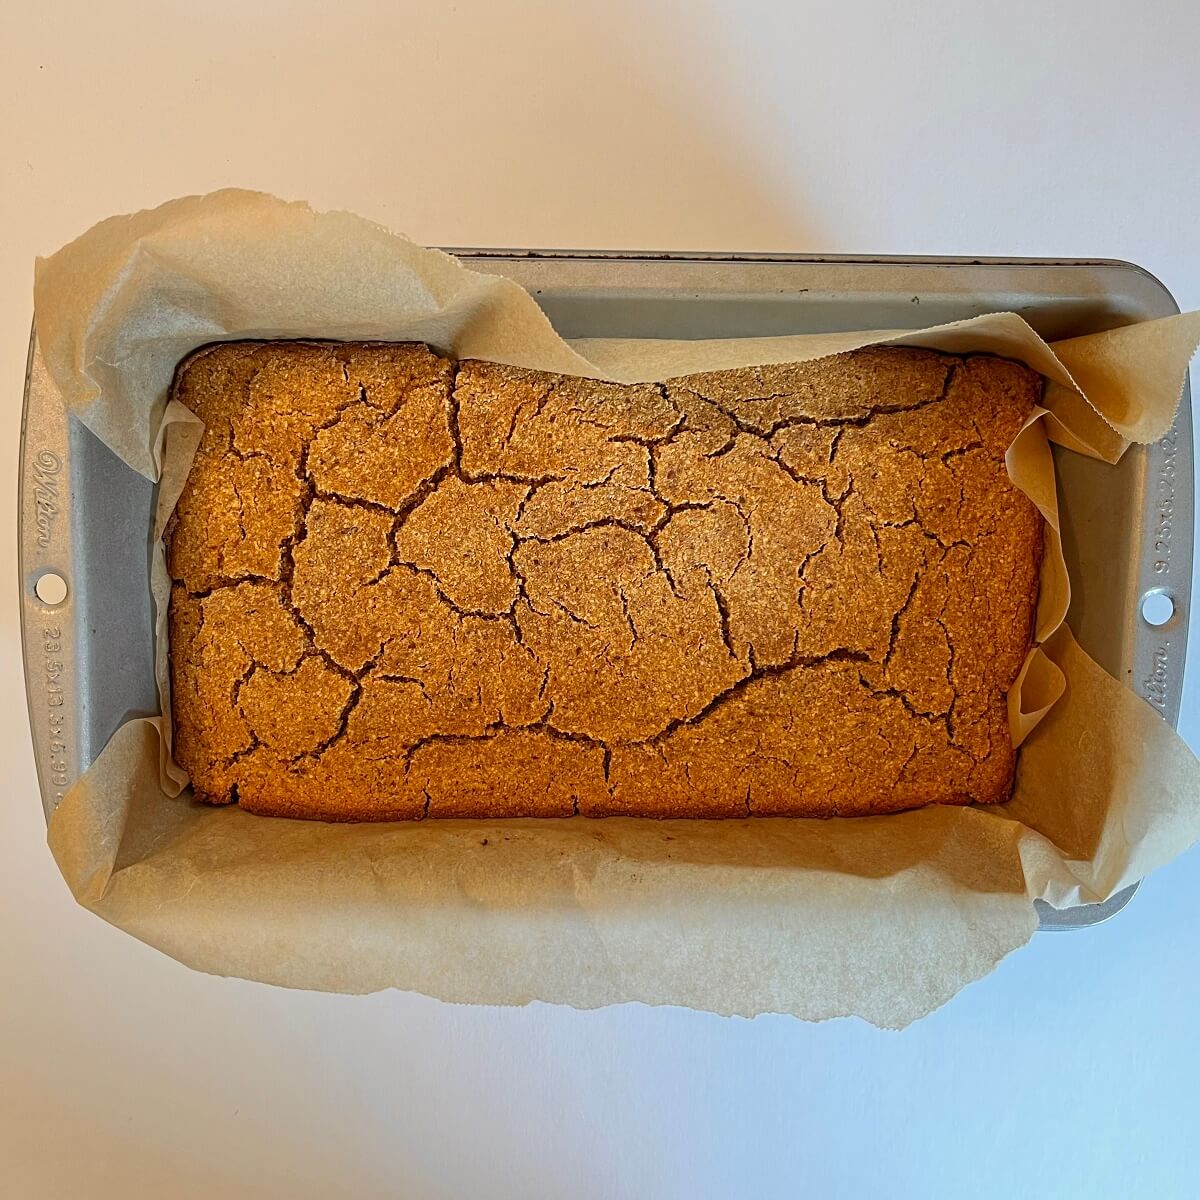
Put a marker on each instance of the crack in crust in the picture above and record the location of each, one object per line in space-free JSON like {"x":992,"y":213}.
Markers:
{"x":410,"y":587}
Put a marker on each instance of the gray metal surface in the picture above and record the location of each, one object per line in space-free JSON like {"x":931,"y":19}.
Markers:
{"x":86,"y":516}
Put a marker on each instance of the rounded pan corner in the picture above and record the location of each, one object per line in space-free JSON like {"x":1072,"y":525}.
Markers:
{"x":1171,"y":305}
{"x":1081,"y":916}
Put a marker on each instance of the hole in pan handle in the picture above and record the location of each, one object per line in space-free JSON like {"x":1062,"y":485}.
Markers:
{"x":1157,"y":607}
{"x":51,"y":589}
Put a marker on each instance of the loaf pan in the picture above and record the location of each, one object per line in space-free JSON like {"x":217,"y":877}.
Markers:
{"x":85,"y":518}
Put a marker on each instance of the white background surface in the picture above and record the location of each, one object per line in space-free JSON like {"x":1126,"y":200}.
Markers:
{"x":1024,"y":128}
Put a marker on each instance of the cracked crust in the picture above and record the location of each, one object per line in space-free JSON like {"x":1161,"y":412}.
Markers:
{"x":409,"y":587}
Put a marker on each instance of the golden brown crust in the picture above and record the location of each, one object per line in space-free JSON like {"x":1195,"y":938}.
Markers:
{"x":408,"y":587}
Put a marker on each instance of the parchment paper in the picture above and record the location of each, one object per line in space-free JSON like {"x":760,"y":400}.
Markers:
{"x":882,"y":917}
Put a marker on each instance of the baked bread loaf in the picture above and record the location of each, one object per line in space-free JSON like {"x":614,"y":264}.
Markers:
{"x":406,"y":586}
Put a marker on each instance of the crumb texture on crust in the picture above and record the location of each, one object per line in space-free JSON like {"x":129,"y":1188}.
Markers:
{"x":407,"y":587}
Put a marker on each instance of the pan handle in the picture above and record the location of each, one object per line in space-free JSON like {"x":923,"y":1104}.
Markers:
{"x":1164,"y":571}
{"x":50,"y":598}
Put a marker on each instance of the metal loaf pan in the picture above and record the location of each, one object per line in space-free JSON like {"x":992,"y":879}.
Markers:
{"x":1128,"y":529}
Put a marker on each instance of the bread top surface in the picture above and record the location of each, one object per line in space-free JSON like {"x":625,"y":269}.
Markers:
{"x":406,"y":585}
